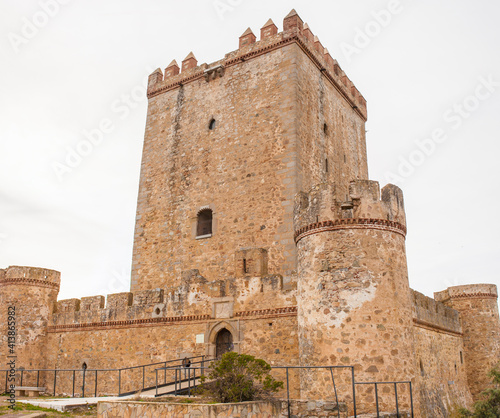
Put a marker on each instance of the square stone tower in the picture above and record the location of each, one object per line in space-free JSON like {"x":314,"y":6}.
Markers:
{"x":229,"y":144}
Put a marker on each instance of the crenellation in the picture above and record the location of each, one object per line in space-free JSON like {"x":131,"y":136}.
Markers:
{"x":247,"y":38}
{"x":156,"y":77}
{"x":292,"y":24}
{"x":92,"y":303}
{"x":189,"y":62}
{"x":430,"y":312}
{"x":324,"y":203}
{"x":268,"y":30}
{"x":173,"y":69}
{"x":148,"y":297}
{"x":68,"y":305}
{"x":306,"y":31}
{"x":119,"y":300}
{"x":318,"y":46}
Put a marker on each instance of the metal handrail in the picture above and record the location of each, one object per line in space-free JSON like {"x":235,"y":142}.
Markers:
{"x":408,"y":382}
{"x":330,"y":368}
{"x":85,"y":372}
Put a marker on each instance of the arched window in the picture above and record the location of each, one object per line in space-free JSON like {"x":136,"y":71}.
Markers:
{"x":204,"y":226}
{"x":211,"y":125}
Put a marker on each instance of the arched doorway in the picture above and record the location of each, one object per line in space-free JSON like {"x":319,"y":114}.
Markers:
{"x":223,"y":342}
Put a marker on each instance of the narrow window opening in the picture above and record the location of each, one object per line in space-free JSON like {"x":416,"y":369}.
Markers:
{"x":461,"y":358}
{"x":326,"y":165}
{"x":211,"y":125}
{"x":325,"y":129}
{"x":456,"y":370}
{"x":245,"y":267}
{"x":204,"y":226}
{"x":84,"y":366}
{"x":422,"y":372}
{"x":345,"y":159}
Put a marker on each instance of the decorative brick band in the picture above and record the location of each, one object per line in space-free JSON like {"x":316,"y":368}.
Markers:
{"x":477,"y":295}
{"x":173,"y":320}
{"x":291,"y":310}
{"x":29,"y":282}
{"x":433,"y":327}
{"x":350,"y":223}
{"x":131,"y":323}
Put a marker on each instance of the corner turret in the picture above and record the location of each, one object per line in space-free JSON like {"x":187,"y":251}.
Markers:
{"x":31,"y":293}
{"x":478,"y":307}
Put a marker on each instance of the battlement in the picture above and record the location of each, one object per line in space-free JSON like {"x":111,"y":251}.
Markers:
{"x":431,"y":313}
{"x":294,"y":31}
{"x":322,"y":208}
{"x":192,"y":299}
{"x":30,"y":276}
{"x":470,"y":291}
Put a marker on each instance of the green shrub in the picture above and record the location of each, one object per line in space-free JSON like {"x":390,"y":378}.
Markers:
{"x":489,"y":407}
{"x":239,"y":378}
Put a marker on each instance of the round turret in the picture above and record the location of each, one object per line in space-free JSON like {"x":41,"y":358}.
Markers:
{"x":27,"y":294}
{"x":353,"y":294}
{"x":478,"y":308}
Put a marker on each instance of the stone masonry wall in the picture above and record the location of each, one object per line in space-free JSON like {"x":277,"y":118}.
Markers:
{"x":258,"y":409}
{"x":130,"y":329}
{"x":441,"y":378}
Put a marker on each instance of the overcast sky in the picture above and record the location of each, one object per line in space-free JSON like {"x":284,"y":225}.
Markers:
{"x":430,"y":72}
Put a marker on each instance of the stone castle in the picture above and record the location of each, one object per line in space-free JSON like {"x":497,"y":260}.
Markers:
{"x":258,"y":231}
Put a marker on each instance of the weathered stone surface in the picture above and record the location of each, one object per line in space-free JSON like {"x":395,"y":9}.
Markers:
{"x":256,"y":217}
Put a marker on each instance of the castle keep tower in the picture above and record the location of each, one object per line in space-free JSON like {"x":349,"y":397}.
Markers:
{"x":229,"y":144}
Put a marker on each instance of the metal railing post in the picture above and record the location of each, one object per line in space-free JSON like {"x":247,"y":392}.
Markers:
{"x":175,"y":381}
{"x":83,"y":386}
{"x":288,"y":392}
{"x":95,"y":390}
{"x":156,"y":391}
{"x":165,"y":374}
{"x":38,"y":378}
{"x":119,"y":382}
{"x":73,"y":384}
{"x":396,"y":395}
{"x":143,"y":373}
{"x":376,"y":400}
{"x":22,"y":372}
{"x":55,"y":378}
{"x":411,"y":399}
{"x":335,"y":391}
{"x":353,"y":392}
